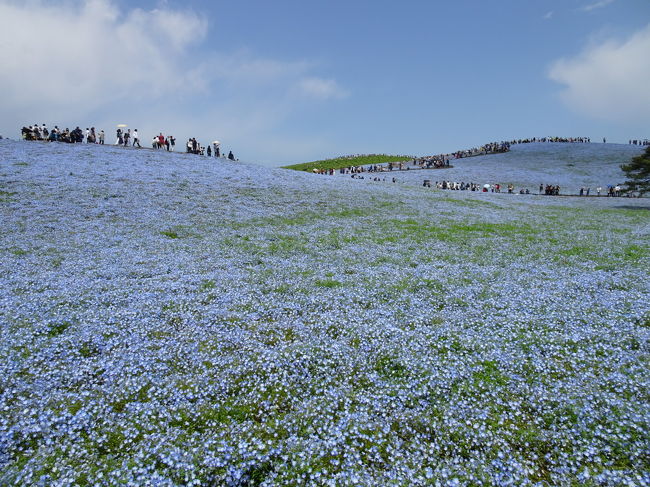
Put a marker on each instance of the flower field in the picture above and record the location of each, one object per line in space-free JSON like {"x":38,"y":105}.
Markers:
{"x":168,"y":319}
{"x":528,"y":165}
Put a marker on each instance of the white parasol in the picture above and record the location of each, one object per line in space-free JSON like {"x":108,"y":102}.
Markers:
{"x":216,"y":142}
{"x":121,"y":125}
{"x":486,"y":186}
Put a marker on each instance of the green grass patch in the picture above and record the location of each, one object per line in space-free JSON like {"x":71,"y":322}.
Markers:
{"x":58,"y":328}
{"x":6,"y":196}
{"x":207,"y":285}
{"x":347,"y":161}
{"x":330,"y":283}
{"x":390,"y":367}
{"x":169,"y":233}
{"x":17,"y":251}
{"x":178,"y":231}
{"x":394,"y":230}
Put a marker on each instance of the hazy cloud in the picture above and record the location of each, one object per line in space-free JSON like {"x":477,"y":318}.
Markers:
{"x":548,"y":15}
{"x":321,"y":88}
{"x":610,"y":80}
{"x":597,"y":5}
{"x":89,"y":53}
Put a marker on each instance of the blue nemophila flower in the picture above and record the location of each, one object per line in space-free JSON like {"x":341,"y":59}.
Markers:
{"x":168,"y":321}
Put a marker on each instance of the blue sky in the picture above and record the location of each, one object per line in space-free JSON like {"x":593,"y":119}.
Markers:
{"x":290,"y":81}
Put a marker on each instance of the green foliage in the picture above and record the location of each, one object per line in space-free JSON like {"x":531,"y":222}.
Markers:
{"x":207,"y":285}
{"x":178,"y":231}
{"x":58,"y":328}
{"x":88,"y":350}
{"x":638,"y":172}
{"x":347,"y":161}
{"x":169,"y":233}
{"x":18,"y":251}
{"x":328,"y":283}
{"x":390,"y":367}
{"x":6,"y":196}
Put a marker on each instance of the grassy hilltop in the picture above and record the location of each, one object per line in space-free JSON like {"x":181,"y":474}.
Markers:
{"x":170,"y":320}
{"x":347,"y":161}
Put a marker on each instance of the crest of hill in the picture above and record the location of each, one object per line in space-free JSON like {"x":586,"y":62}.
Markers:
{"x":97,"y":176}
{"x":347,"y":161}
{"x":526,"y":165}
{"x":570,"y":165}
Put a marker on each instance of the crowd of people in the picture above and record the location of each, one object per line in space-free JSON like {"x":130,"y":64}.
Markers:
{"x":548,"y":189}
{"x":583,"y":140}
{"x":162,"y":142}
{"x":77,"y":135}
{"x":375,"y":178}
{"x":644,"y":142}
{"x":123,"y":137}
{"x":610,"y":191}
{"x":462,"y":186}
{"x":443,"y":160}
{"x":570,"y":140}
{"x":426,"y":162}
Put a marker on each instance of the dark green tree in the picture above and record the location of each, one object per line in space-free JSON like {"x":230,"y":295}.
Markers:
{"x":638,"y":173}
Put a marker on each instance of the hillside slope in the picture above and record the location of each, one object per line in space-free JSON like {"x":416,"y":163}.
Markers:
{"x":571,"y":166}
{"x":169,"y":319}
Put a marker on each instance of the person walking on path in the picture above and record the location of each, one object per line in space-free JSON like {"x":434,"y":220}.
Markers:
{"x":136,"y":138}
{"x":101,"y":137}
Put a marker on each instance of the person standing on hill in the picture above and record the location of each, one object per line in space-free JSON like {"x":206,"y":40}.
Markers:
{"x":136,"y":138}
{"x":126,"y":138}
{"x":101,"y":137}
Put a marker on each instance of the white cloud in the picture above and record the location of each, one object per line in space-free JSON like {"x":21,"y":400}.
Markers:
{"x":244,"y":67}
{"x":609,"y":81}
{"x":89,"y":54}
{"x":597,"y":5}
{"x":321,"y":88}
{"x":548,"y":15}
